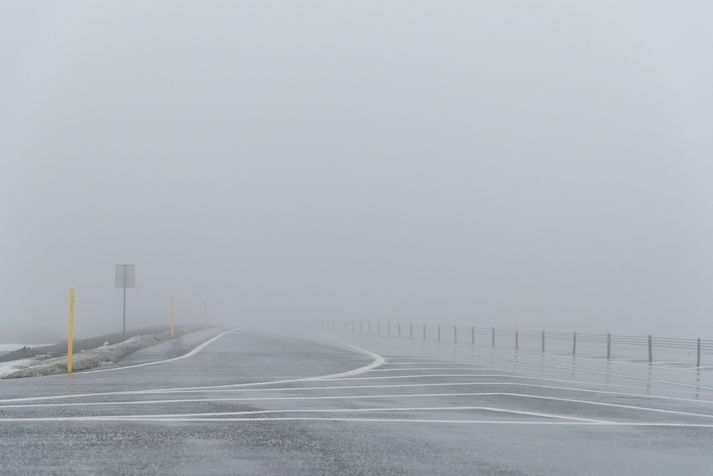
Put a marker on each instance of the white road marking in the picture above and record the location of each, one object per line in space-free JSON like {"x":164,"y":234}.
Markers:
{"x":454,"y":346}
{"x":403,"y":420}
{"x":514,"y":376}
{"x":378,"y":360}
{"x":337,"y":397}
{"x":439,"y":384}
{"x":319,"y":410}
{"x":540,"y":365}
{"x":165,"y":361}
{"x":413,"y":369}
{"x":449,"y":365}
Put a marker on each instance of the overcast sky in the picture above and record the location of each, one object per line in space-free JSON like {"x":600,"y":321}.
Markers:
{"x":541,"y":164}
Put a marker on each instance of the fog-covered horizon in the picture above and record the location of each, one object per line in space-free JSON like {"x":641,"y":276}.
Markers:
{"x":545,"y":166}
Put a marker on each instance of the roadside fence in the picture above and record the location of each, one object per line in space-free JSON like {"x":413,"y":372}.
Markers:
{"x":678,"y":352}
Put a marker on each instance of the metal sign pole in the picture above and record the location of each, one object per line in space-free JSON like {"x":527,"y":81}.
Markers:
{"x":123,"y":333}
{"x":124,"y":277}
{"x":70,"y":336}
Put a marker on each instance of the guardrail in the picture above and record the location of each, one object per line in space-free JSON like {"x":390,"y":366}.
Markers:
{"x":593,"y":345}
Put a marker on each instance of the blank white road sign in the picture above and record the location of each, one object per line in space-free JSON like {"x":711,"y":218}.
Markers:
{"x":125,"y":276}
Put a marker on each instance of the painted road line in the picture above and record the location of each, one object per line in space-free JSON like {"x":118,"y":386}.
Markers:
{"x":442,"y":384}
{"x":392,"y":420}
{"x":337,"y":397}
{"x":165,"y":361}
{"x":378,"y":360}
{"x":318,"y":410}
{"x":540,"y":365}
{"x":351,"y":387}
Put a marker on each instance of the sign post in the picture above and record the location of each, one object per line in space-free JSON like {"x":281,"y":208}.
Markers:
{"x":170,"y":317}
{"x":125,"y":277}
{"x":70,"y":336}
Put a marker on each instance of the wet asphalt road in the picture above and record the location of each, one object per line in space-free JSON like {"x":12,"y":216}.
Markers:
{"x":408,"y":407}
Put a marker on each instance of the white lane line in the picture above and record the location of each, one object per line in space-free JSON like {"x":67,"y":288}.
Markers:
{"x":525,"y":377}
{"x":337,"y":397}
{"x":480,"y":367}
{"x":449,"y":365}
{"x":378,"y":360}
{"x":439,"y":384}
{"x":400,"y":420}
{"x":239,"y":399}
{"x":472,"y":356}
{"x":540,"y":365}
{"x":371,"y":410}
{"x":566,"y":355}
{"x":319,"y":410}
{"x":513,"y":376}
{"x":418,"y":360}
{"x":437,"y":348}
{"x":165,"y":361}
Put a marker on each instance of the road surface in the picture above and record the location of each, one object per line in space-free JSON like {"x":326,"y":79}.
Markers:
{"x":240,"y":402}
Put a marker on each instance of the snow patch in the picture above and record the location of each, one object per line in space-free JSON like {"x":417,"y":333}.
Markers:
{"x":13,"y":365}
{"x":87,"y":359}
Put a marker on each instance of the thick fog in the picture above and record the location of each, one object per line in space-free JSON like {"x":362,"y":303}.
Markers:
{"x":546,"y":165}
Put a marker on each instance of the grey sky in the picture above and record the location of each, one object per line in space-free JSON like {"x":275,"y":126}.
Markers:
{"x":541,"y":164}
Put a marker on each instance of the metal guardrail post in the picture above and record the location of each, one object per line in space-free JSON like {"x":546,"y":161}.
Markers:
{"x":698,"y":352}
{"x":608,"y":345}
{"x":543,"y":342}
{"x":650,"y":351}
{"x":399,"y":326}
{"x":378,"y":328}
{"x":472,"y":334}
{"x":410,"y":329}
{"x":492,"y":337}
{"x":517,"y":343}
{"x":369,"y":327}
{"x":455,"y":334}
{"x":424,"y":332}
{"x":574,"y":344}
{"x":388,"y":329}
{"x":439,"y":333}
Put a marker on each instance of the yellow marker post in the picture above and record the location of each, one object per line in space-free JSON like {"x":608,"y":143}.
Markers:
{"x":171,"y":316}
{"x":70,"y":337}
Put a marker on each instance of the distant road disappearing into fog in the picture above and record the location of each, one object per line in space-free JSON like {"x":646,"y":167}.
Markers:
{"x":245,"y":402}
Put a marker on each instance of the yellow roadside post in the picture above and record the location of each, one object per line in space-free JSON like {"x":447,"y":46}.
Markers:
{"x":171,"y":316}
{"x":70,"y":337}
